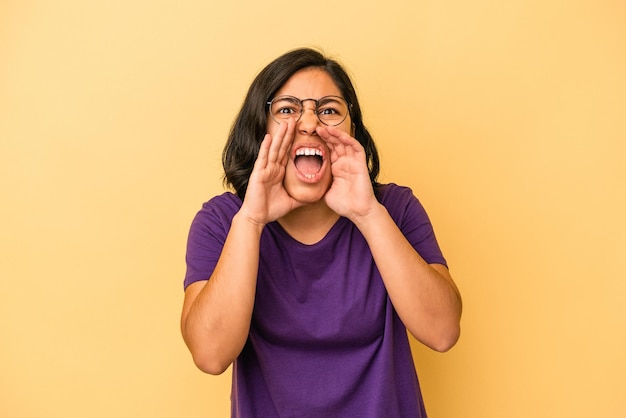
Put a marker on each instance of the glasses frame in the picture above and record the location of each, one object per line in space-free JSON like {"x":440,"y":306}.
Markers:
{"x":316,"y":101}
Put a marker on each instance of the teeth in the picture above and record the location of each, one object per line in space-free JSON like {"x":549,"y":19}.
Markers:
{"x":308,"y":151}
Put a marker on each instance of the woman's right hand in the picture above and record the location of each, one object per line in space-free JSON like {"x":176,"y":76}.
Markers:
{"x":266,"y":198}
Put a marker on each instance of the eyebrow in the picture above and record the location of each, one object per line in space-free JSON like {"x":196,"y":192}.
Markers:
{"x":328,"y":98}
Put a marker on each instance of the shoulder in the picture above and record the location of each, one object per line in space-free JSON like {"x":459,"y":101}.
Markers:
{"x":399,"y":200}
{"x":224,"y":203}
{"x":391,"y":191}
{"x":411,"y":217}
{"x":218,"y":212}
{"x":207,"y":235}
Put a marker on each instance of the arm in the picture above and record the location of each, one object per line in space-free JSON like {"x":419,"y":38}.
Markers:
{"x":424,"y":295}
{"x":216,"y":314}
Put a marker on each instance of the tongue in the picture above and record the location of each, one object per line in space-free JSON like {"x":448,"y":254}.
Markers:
{"x":308,"y":164}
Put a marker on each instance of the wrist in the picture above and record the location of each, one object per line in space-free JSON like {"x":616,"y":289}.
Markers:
{"x":246,"y":220}
{"x":369,"y":217}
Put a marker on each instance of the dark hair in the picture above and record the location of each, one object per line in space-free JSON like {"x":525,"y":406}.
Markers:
{"x":249,"y":128}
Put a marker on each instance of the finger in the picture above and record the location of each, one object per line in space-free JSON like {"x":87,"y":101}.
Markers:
{"x":342,"y":136}
{"x":338,"y":139}
{"x":326,"y":135}
{"x":261,"y":159}
{"x":276,"y":142}
{"x":285,"y":146}
{"x":337,"y":148}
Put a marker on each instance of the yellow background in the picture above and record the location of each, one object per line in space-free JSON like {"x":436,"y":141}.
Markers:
{"x":507,"y":118}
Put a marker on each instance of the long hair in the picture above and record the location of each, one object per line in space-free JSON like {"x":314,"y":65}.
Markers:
{"x":250,"y":126}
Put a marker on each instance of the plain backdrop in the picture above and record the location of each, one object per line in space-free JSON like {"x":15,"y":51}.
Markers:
{"x":506,"y":118}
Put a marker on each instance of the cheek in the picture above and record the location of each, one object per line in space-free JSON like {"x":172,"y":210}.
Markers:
{"x":271,"y":127}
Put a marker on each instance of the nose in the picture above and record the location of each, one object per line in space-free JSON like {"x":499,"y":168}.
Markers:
{"x":308,"y":121}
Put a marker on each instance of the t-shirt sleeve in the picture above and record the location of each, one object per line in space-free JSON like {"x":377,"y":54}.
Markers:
{"x":412,"y":219}
{"x":207,"y":235}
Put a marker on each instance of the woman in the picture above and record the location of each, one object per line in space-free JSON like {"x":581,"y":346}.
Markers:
{"x":307,"y":278}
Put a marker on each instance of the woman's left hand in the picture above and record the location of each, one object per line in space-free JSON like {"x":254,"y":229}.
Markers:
{"x":424,"y":296}
{"x":351,"y":193}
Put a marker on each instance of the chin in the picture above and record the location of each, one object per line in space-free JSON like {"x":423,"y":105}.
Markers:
{"x":308,"y":193}
{"x":308,"y":197}
{"x":307,"y":190}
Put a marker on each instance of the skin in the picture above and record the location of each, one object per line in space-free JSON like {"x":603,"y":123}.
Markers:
{"x":216,"y":313}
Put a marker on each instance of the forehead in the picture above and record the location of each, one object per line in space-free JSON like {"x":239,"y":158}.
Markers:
{"x":310,"y":83}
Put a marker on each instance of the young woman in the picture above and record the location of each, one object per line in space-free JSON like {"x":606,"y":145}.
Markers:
{"x":308,"y":277}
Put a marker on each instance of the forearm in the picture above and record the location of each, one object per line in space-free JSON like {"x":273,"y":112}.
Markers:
{"x":424,"y":296}
{"x":217,"y":313}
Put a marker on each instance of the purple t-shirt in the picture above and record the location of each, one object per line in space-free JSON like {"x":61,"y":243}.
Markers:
{"x":325,"y":340}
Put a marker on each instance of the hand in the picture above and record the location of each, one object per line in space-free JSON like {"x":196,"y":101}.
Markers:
{"x":266,"y":198}
{"x":351,"y":193}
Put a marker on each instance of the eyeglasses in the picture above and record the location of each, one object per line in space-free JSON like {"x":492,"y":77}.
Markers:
{"x":330,"y":110}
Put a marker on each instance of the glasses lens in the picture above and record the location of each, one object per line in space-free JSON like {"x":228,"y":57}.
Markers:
{"x":285,"y":107}
{"x":332,"y":110}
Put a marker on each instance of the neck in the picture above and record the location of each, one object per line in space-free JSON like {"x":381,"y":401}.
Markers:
{"x":310,"y":223}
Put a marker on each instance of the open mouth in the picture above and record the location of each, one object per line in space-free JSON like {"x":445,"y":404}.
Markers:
{"x":308,"y":161}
